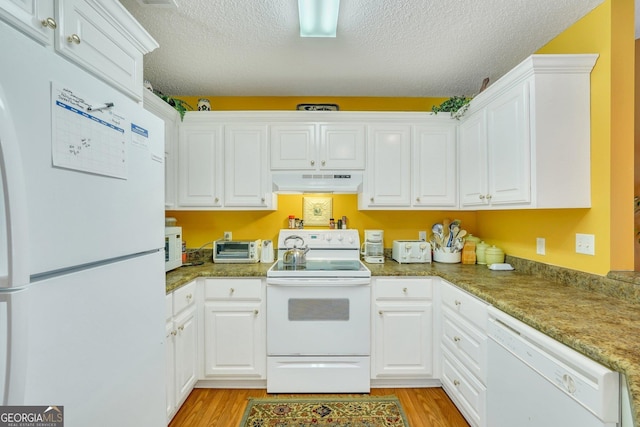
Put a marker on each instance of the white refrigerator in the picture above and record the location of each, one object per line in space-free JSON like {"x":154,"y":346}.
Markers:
{"x":82,"y":280}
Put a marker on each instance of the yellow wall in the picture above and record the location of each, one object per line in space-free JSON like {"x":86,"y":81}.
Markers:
{"x":289,"y":103}
{"x":637,"y":151}
{"x":206,"y":226}
{"x":608,"y":31}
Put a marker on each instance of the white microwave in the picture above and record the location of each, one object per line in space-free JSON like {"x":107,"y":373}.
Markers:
{"x":172,"y":248}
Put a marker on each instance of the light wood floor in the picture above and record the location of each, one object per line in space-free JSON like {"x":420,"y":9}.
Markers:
{"x":424,"y":407}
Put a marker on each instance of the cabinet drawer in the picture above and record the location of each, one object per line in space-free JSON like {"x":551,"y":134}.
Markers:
{"x":466,"y":343}
{"x":397,"y":288}
{"x":466,"y":305}
{"x":467,"y":393}
{"x":233,"y":289}
{"x":168,"y":306}
{"x":184,"y":297}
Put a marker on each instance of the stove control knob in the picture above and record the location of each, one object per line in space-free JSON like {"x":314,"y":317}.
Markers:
{"x":340,"y":237}
{"x":351,"y":239}
{"x":328,"y":237}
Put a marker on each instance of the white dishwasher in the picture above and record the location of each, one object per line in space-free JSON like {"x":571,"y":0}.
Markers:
{"x":535,"y":381}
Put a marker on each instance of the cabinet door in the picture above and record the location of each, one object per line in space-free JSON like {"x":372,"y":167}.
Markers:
{"x":234,"y":344}
{"x":509,"y":147}
{"x":246,"y":170}
{"x":97,"y":44}
{"x":434,"y":166}
{"x":35,"y":18}
{"x":388,"y":167}
{"x":403,"y":340}
{"x":293,"y":146}
{"x":200,"y":166}
{"x":185,"y":353}
{"x":473,"y":160}
{"x":170,"y":373}
{"x":342,"y":146}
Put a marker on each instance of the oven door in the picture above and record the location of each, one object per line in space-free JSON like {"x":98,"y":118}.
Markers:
{"x":328,"y":316}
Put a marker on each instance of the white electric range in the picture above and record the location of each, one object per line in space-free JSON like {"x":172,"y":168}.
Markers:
{"x":318,"y":315}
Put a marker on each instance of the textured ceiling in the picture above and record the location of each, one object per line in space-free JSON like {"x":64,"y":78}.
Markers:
{"x":389,"y":48}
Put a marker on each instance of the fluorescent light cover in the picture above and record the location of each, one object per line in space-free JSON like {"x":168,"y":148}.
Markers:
{"x":318,"y":18}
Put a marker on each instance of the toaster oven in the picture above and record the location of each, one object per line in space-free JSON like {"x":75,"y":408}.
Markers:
{"x":236,"y":251}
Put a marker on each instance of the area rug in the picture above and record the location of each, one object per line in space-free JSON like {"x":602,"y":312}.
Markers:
{"x":361,"y":411}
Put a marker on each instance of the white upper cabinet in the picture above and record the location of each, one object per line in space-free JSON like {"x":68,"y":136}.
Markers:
{"x":433,"y":165}
{"x":293,"y":146}
{"x":200,"y":165}
{"x":98,"y":35}
{"x":36,"y":18}
{"x":313,"y":146}
{"x":411,"y":163}
{"x":388,"y":175}
{"x":525,"y":142}
{"x":246,"y":179}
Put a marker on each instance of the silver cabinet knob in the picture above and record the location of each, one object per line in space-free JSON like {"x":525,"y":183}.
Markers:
{"x":380,"y":312}
{"x":216,"y":200}
{"x":174,"y":332}
{"x":74,"y":38}
{"x":456,"y":302}
{"x":371,"y":199}
{"x":323,"y":163}
{"x":418,"y":199}
{"x":456,"y":339}
{"x":255,"y":312}
{"x":481,"y":197}
{"x":456,"y":383}
{"x":231,"y":291}
{"x":313,"y":162}
{"x":489,"y":196}
{"x":49,"y":23}
{"x":404,"y":290}
{"x":181,"y":328}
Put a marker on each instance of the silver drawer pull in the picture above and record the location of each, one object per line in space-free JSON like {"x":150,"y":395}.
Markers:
{"x":255,"y":312}
{"x":231,"y":291}
{"x":181,"y":328}
{"x":456,"y":383}
{"x":456,"y":302}
{"x":50,"y":23}
{"x":404,"y":290}
{"x":74,"y":38}
{"x":456,"y":339}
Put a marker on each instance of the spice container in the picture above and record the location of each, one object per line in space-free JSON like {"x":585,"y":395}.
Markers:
{"x":332,"y":224}
{"x":292,"y":221}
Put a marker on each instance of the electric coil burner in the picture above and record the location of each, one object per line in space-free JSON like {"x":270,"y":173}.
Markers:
{"x":318,"y":316}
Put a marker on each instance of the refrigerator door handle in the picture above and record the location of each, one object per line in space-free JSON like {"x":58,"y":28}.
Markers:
{"x":14,"y":263}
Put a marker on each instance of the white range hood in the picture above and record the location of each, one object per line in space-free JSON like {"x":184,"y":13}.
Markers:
{"x":327,"y":182}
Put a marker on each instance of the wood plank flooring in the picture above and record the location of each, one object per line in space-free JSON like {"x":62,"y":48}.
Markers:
{"x":205,"y":407}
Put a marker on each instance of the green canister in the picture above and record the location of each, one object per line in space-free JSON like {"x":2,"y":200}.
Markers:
{"x":494,"y":255}
{"x":480,"y":252}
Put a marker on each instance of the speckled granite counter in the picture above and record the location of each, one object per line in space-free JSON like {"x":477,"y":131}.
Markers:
{"x":597,"y":316}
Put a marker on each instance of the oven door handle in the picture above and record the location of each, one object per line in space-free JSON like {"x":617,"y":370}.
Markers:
{"x":315,"y":282}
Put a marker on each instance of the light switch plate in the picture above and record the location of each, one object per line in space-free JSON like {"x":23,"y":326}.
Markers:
{"x":422,"y":235}
{"x":228,"y":236}
{"x":540,"y":246}
{"x":585,"y":244}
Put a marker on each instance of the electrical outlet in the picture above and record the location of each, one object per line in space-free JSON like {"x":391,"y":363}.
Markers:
{"x":228,"y":236}
{"x":422,"y":235}
{"x":540,"y":245}
{"x":585,"y":244}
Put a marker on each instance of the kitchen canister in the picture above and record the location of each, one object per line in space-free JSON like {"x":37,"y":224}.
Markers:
{"x":472,"y":238}
{"x":480,"y":249}
{"x":493,"y":255}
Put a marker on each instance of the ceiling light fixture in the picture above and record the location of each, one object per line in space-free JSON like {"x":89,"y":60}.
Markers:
{"x":318,"y":18}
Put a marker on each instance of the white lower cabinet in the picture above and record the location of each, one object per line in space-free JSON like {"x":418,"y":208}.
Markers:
{"x":463,"y":345}
{"x":403,"y":331}
{"x":181,"y":346}
{"x":234,"y":329}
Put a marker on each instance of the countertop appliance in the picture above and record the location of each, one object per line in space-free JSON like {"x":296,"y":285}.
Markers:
{"x":549,"y":384}
{"x":319,"y":315}
{"x":266,"y":253}
{"x":172,"y":248}
{"x":81,"y":243}
{"x":372,"y":248}
{"x":236,"y":251}
{"x":411,"y":251}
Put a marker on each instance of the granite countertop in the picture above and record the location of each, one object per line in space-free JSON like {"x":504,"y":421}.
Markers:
{"x":598,"y":317}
